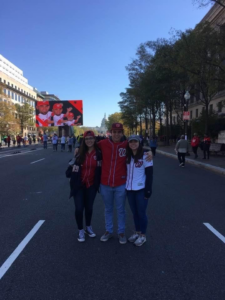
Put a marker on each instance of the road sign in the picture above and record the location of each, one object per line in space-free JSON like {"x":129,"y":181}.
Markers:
{"x":186,"y":115}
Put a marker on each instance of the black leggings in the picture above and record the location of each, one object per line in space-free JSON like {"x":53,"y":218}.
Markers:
{"x":181,"y":158}
{"x":84,"y":200}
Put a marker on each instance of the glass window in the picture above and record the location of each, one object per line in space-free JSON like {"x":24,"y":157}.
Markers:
{"x":196,"y":113}
{"x":16,"y":97}
{"x":4,"y":91}
{"x":19,"y":98}
{"x":12,"y":95}
{"x":8,"y":93}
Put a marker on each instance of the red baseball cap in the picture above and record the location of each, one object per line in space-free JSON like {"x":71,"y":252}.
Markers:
{"x":70,"y":114}
{"x":40,"y":103}
{"x":117,"y":126}
{"x":57,"y":106}
{"x":89,"y":133}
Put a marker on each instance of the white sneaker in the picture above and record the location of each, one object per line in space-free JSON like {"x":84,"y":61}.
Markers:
{"x":133,"y":238}
{"x":90,"y":231}
{"x":140,"y":241}
{"x":81,"y":237}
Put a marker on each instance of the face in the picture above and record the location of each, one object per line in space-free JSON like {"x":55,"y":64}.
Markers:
{"x":58,"y":111}
{"x":43,"y":109}
{"x":89,"y":141}
{"x":70,"y":118}
{"x":133,"y":144}
{"x":117,"y":135}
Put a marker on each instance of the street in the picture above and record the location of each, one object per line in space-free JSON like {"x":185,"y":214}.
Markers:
{"x":182,"y":258}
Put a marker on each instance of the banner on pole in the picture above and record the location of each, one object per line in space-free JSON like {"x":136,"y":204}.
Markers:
{"x":186,"y":115}
{"x":59,"y":113}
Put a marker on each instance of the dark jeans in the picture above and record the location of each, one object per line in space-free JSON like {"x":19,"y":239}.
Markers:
{"x":181,"y":158}
{"x":153,"y":150}
{"x":70,"y":148}
{"x":195,"y":150}
{"x":62,"y":147}
{"x":138,"y":205}
{"x":45,"y":145}
{"x":55,"y":147}
{"x":84,"y":200}
{"x":206,"y":151}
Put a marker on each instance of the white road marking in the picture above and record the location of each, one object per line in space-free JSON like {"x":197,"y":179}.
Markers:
{"x":34,"y":162}
{"x":25,"y":152}
{"x":7,"y":264}
{"x":219,"y":235}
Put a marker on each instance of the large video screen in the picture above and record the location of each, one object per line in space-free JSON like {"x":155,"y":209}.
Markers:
{"x":59,"y":113}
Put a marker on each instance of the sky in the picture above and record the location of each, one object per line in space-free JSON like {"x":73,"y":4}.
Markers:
{"x":78,"y":49}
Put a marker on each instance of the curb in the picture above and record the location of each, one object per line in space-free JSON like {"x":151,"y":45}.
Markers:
{"x":196,"y":163}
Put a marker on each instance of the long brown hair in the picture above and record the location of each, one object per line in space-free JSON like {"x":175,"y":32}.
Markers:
{"x":83,"y":150}
{"x":137,"y":156}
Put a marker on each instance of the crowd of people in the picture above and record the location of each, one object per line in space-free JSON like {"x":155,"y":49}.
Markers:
{"x":17,"y":140}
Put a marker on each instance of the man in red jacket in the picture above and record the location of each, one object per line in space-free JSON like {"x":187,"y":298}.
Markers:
{"x":113,"y":181}
{"x":194,"y":144}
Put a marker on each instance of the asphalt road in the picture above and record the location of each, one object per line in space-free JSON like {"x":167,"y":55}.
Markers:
{"x":182,"y":258}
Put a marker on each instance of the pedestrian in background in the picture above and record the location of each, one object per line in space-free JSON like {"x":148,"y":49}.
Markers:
{"x":153,"y":145}
{"x":70,"y":143}
{"x":206,"y":146}
{"x":8,"y":140}
{"x":181,"y":150}
{"x":194,"y":144}
{"x":63,"y":143}
{"x":85,"y":174}
{"x":45,"y":140}
{"x":55,"y":142}
{"x":74,"y":141}
{"x":139,"y":187}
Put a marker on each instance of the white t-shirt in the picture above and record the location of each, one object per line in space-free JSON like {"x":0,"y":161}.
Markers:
{"x":136,"y":174}
{"x":57,"y":118}
{"x":69,"y":123}
{"x":45,"y":117}
{"x":63,"y":140}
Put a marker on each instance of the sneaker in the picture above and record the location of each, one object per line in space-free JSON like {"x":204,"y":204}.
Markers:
{"x":90,"y":231}
{"x":180,"y":165}
{"x":122,"y":238}
{"x":183,"y":166}
{"x":133,"y":238}
{"x":106,"y":236}
{"x":140,"y":241}
{"x":81,"y":237}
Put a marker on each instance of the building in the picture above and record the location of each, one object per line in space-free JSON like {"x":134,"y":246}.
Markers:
{"x":216,"y":17}
{"x":49,"y":97}
{"x":16,"y":89}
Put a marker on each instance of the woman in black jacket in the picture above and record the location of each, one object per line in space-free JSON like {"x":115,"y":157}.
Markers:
{"x":84,"y":172}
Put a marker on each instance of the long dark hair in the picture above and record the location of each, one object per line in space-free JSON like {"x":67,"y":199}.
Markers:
{"x":137,"y":156}
{"x":83,"y":150}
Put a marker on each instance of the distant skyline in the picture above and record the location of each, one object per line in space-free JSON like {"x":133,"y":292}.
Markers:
{"x":78,"y":50}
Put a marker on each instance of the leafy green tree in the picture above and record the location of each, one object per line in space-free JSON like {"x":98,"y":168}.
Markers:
{"x":113,"y":118}
{"x":25,"y":115}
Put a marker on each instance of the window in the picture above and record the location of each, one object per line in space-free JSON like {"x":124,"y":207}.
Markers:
{"x":4,"y":91}
{"x":196,"y":113}
{"x":211,"y":108}
{"x":16,"y":97}
{"x":220,"y":106}
{"x":12,"y":95}
{"x":191,"y":114}
{"x":19,"y":98}
{"x":8,"y":93}
{"x":0,"y":80}
{"x":5,"y":81}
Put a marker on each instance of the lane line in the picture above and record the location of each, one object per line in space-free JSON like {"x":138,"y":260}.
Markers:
{"x":34,"y":162}
{"x":7,"y":264}
{"x":25,"y":152}
{"x":213,"y":230}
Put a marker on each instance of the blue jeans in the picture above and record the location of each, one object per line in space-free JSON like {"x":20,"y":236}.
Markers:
{"x":138,"y":205}
{"x":111,"y":195}
{"x":45,"y":144}
{"x":62,"y":146}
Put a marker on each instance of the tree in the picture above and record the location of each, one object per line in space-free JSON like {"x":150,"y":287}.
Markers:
{"x":25,"y":115}
{"x":8,"y":123}
{"x":113,"y":118}
{"x":204,"y":3}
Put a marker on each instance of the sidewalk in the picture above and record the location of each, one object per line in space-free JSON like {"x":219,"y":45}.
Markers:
{"x":215,"y":163}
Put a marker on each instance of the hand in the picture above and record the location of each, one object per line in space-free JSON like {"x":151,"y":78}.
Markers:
{"x":76,"y":151}
{"x":148,"y":156}
{"x":69,"y":109}
{"x":78,"y":117}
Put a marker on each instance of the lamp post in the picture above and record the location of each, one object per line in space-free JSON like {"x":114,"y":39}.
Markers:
{"x":186,"y":97}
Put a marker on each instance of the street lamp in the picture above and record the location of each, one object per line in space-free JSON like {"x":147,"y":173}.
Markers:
{"x":187,"y":96}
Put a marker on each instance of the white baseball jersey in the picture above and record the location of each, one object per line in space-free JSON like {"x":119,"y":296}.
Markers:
{"x":44,"y":118}
{"x":57,"y":118}
{"x":69,"y":123}
{"x":136,"y":174}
